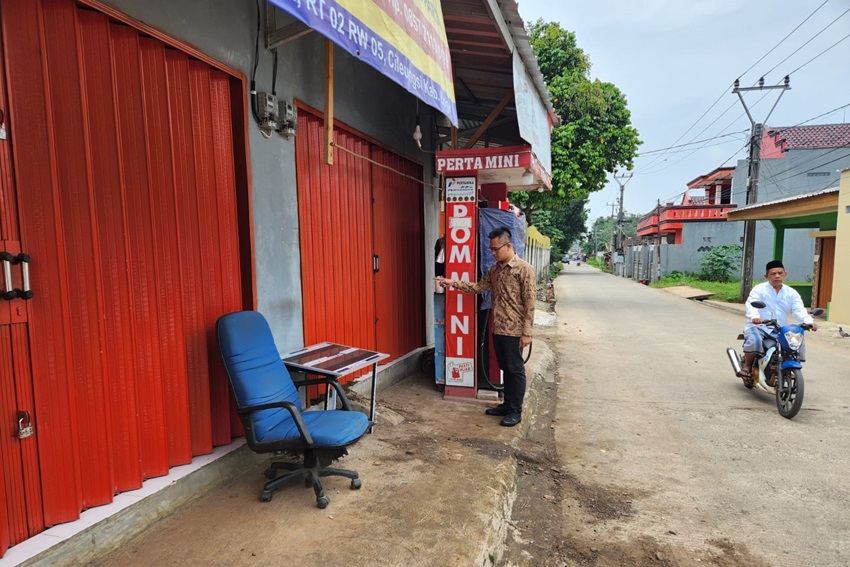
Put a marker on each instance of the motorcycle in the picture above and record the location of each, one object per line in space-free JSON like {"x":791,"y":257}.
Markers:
{"x":779,"y":372}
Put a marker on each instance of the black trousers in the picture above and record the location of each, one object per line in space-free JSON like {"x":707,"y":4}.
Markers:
{"x":509,"y":357}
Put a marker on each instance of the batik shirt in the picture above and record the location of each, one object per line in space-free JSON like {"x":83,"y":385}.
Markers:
{"x":514,"y":292}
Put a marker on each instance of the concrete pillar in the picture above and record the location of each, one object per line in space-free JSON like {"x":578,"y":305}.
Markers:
{"x":840,"y":305}
{"x":778,"y":242}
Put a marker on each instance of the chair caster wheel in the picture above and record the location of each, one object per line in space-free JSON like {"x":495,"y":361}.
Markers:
{"x":271,"y":474}
{"x":356,"y":484}
{"x":323,"y":502}
{"x":266,"y":496}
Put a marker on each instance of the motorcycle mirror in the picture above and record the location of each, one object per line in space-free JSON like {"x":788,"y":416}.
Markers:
{"x":816,"y":311}
{"x":758,"y":304}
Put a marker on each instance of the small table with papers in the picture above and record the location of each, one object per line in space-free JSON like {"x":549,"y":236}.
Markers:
{"x":335,"y":360}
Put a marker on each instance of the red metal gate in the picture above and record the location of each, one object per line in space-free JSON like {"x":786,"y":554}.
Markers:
{"x":364,"y":213}
{"x":399,"y":233}
{"x":119,"y":180}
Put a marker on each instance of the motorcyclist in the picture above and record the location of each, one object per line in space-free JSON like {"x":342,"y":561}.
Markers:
{"x":780,"y":300}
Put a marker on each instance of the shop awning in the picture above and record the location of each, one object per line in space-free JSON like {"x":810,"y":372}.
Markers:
{"x":502,"y":98}
{"x":820,"y":202}
{"x":404,"y":40}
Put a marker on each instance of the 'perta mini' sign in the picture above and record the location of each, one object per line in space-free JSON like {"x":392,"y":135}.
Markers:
{"x":477,"y":163}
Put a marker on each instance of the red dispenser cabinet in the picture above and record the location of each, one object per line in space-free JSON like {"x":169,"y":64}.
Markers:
{"x":461,"y":314}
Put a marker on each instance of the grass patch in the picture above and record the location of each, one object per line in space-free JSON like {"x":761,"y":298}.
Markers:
{"x":598,"y":263}
{"x":723,"y":291}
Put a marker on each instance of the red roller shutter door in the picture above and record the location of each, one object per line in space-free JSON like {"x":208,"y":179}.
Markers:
{"x":399,"y":242}
{"x":121,"y":183}
{"x":367,"y":207}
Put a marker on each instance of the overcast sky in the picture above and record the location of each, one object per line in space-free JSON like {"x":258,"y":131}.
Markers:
{"x":673,"y":59}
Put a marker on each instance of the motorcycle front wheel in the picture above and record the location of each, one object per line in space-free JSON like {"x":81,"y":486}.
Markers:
{"x":789,"y":398}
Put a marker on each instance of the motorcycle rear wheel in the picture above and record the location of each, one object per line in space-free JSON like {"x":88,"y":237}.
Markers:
{"x":789,"y":399}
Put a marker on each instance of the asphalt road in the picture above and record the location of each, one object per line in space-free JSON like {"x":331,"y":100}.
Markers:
{"x":671,"y":459}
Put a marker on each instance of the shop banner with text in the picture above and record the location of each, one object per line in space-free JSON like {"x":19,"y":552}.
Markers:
{"x":403,"y":39}
{"x":532,"y":116}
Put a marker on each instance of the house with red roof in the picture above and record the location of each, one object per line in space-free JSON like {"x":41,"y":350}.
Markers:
{"x":794,"y":161}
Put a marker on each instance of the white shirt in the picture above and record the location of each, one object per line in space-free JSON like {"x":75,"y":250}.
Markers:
{"x":777,"y":305}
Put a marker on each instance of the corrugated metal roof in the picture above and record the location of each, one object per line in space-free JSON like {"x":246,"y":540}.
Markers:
{"x":788,"y":199}
{"x":481,"y":35}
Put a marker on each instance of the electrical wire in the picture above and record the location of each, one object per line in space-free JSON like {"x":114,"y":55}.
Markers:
{"x":720,"y":133}
{"x":694,"y":124}
{"x":682,"y":193}
{"x":691,"y":143}
{"x":781,"y":41}
{"x":807,"y":43}
{"x":825,"y":113}
{"x":819,"y":54}
{"x":778,"y":182}
{"x":787,"y":192}
{"x":692,"y":152}
{"x":724,"y":142}
{"x":734,"y":154}
{"x":725,"y":91}
{"x":256,"y":47}
{"x":820,"y":165}
{"x":379,"y":164}
{"x":253,"y":90}
{"x":274,"y":74}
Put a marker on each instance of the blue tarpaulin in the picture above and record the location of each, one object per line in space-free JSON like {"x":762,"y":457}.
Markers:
{"x":489,"y":220}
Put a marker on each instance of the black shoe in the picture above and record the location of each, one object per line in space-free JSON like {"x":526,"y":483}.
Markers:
{"x":500,"y":410}
{"x":513,"y":418}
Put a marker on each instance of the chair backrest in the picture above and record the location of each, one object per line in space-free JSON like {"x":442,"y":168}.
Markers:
{"x":253,"y":365}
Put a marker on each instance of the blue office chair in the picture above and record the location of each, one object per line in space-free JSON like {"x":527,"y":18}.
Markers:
{"x":269,"y":407}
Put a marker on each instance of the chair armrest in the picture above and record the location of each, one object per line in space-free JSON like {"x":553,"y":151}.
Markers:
{"x":290,"y":407}
{"x":272,"y":405}
{"x":346,"y":405}
{"x":314,"y":382}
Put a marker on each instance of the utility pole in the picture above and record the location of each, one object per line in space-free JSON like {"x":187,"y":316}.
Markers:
{"x":756,"y":133}
{"x":613,"y":232}
{"x":619,"y":179}
{"x":658,"y":263}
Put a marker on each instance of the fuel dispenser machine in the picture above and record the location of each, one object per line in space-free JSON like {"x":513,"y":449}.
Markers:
{"x":476,"y":202}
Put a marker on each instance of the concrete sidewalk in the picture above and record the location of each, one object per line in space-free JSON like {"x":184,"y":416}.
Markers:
{"x":438,"y":485}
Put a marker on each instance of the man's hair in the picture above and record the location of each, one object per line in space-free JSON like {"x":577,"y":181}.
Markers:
{"x":773,"y":264}
{"x":502,"y":232}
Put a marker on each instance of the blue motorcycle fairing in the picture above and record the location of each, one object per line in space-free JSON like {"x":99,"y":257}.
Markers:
{"x":786,"y":364}
{"x":785,"y":329}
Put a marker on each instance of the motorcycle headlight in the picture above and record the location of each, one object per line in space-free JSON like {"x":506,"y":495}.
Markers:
{"x":794,"y":339}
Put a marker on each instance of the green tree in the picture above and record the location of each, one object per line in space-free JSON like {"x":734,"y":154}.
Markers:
{"x":604,"y":227}
{"x":595,"y":136}
{"x":562,"y":220}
